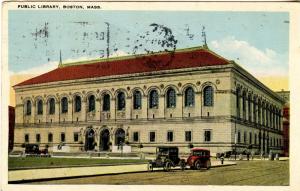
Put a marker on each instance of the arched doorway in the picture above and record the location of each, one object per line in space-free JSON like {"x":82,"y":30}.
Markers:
{"x":119,"y":137}
{"x":89,"y":140}
{"x":104,"y":140}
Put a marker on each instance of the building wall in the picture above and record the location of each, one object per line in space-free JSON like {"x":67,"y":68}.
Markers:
{"x":221,"y":118}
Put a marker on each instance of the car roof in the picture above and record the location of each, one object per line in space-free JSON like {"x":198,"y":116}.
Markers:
{"x":199,"y":149}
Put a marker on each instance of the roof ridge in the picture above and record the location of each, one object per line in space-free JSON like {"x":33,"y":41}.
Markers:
{"x":127,"y":57}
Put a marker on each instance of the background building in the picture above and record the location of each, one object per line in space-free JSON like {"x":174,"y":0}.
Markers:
{"x":188,"y":97}
{"x":11,"y":120}
{"x":286,"y":121}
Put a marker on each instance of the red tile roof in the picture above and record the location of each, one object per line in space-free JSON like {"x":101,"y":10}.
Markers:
{"x":186,"y":58}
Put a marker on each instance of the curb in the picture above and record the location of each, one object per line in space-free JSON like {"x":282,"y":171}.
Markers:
{"x":108,"y":174}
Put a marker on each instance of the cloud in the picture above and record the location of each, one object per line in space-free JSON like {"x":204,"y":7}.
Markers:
{"x":257,"y":62}
{"x":52,"y":65}
{"x":37,"y":70}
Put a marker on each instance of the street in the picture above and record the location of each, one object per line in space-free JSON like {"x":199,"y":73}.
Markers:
{"x":263,"y":173}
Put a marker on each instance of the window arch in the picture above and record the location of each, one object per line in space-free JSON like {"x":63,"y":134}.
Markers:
{"x":91,"y":103}
{"x":238,"y":105}
{"x":28,"y":107}
{"x":137,"y":100}
{"x":77,"y":103}
{"x":51,"y":106}
{"x":249,"y":108}
{"x":208,"y":96}
{"x":153,"y":99}
{"x":121,"y":101}
{"x":40,"y":107}
{"x":64,"y":105}
{"x":244,"y":105}
{"x":259,"y":111}
{"x":189,"y":97}
{"x":171,"y":98}
{"x":106,"y":102}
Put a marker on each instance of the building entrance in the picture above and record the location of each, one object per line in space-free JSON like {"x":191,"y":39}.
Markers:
{"x":119,"y":137}
{"x":104,"y":140}
{"x":90,"y":140}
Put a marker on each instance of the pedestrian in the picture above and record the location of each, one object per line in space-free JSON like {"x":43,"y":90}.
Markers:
{"x":248,"y":156}
{"x":222,"y":158}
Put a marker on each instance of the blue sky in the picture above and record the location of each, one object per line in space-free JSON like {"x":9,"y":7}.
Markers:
{"x":257,"y":41}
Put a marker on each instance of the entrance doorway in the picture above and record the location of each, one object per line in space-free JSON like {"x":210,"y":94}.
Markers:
{"x":104,"y":140}
{"x":90,"y":140}
{"x":119,"y":137}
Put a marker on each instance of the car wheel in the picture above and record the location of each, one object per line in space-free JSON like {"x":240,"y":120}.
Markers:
{"x":182,"y":165}
{"x":208,"y":165}
{"x":167,"y":166}
{"x":197,"y":165}
{"x":150,"y":167}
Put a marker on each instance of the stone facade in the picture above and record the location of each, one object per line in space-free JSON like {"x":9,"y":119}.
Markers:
{"x":234,"y":112}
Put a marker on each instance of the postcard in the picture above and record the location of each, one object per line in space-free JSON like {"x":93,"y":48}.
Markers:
{"x":149,"y":95}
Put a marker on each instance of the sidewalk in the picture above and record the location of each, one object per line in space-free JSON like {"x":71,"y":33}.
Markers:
{"x":15,"y":176}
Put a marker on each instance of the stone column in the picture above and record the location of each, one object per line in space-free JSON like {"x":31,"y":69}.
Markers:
{"x":98,"y":108}
{"x":161,"y":106}
{"x":198,"y":104}
{"x":128,"y":108}
{"x":83,"y":109}
{"x":179,"y":105}
{"x":112,"y":108}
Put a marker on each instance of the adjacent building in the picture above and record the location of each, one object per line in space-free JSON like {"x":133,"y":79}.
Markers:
{"x":11,"y":120}
{"x":190,"y":97}
{"x":286,"y":121}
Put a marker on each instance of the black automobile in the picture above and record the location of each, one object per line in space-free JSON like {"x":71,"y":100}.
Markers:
{"x":32,"y":149}
{"x":166,"y":157}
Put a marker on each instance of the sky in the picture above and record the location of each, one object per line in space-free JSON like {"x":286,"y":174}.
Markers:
{"x":258,"y":41}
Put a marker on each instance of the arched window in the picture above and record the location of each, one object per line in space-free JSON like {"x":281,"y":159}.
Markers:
{"x":40,"y":107}
{"x":121,"y":101}
{"x":153,"y":99}
{"x":137,"y":100}
{"x":249,"y":107}
{"x":51,"y":106}
{"x":254,"y":109}
{"x":238,"y":105}
{"x":208,"y":96}
{"x":106,"y":102}
{"x":189,"y":97}
{"x":171,"y":98}
{"x":28,"y":107}
{"x":64,"y":105}
{"x":244,"y":105}
{"x":91,"y":103}
{"x":259,"y":111}
{"x":263,"y":113}
{"x":77,"y":103}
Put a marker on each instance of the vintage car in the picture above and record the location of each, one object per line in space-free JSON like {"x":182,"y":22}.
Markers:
{"x":166,"y":158}
{"x":199,"y":158}
{"x":33,"y":150}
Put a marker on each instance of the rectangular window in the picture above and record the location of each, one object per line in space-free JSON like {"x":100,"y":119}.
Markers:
{"x":250,"y":138}
{"x":245,"y":137}
{"x":50,"y":137}
{"x":207,"y":135}
{"x":75,"y":137}
{"x":170,"y":136}
{"x":26,"y":138}
{"x":255,"y":139}
{"x":152,"y":136}
{"x":135,"y":136}
{"x":239,"y":137}
{"x":188,"y":136}
{"x":38,"y":138}
{"x":62,"y":137}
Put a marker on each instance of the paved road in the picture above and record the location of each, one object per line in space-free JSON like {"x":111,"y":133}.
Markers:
{"x":24,"y":175}
{"x":244,"y":173}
